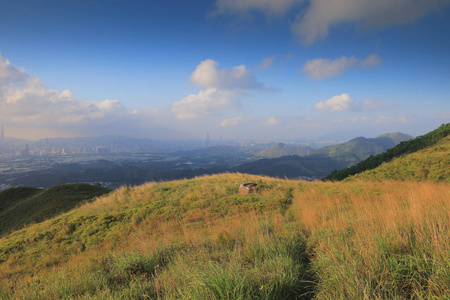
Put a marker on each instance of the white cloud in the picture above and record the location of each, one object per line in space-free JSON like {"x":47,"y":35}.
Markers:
{"x":356,"y":119}
{"x":321,"y":68}
{"x":231,"y":122}
{"x":204,"y":103}
{"x":314,"y":25}
{"x":387,"y":119}
{"x":267,"y":62}
{"x":26,"y":102}
{"x":208,"y":75}
{"x":370,"y":104}
{"x":443,"y":116}
{"x":268,"y":7}
{"x":344,"y":102}
{"x":273,"y":121}
{"x":337,"y":103}
{"x":224,"y":88}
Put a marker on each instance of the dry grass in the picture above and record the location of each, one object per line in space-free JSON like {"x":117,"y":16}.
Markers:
{"x":198,"y":239}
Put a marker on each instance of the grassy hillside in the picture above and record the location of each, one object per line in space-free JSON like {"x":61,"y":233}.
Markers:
{"x":421,"y":142}
{"x":291,"y":166}
{"x":360,"y":148}
{"x":22,"y":205}
{"x":199,"y":239}
{"x":281,"y":149}
{"x":432,"y":163}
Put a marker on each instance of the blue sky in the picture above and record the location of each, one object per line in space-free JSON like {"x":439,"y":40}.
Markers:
{"x":265,"y":69}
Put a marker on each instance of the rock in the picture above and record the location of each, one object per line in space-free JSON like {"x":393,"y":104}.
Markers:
{"x":247,"y":188}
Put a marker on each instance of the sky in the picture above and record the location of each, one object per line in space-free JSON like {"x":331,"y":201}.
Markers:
{"x":238,"y":69}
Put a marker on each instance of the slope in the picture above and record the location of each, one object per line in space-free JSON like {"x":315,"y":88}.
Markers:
{"x":199,"y":239}
{"x":22,"y":205}
{"x":431,"y":163}
{"x":291,"y":166}
{"x":407,"y":147}
{"x":360,"y":148}
{"x":281,"y":149}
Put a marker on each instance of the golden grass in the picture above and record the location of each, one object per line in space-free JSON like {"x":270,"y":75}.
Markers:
{"x":362,"y":235}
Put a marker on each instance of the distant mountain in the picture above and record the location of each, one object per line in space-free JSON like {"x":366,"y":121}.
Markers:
{"x":291,"y":166}
{"x":20,"y":206}
{"x":321,"y":161}
{"x":9,"y":141}
{"x":339,"y":137}
{"x":93,"y":141}
{"x":396,"y":137}
{"x":360,"y":148}
{"x":436,"y":158}
{"x":281,"y":149}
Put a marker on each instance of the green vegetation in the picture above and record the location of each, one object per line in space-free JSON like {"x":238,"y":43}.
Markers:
{"x":291,"y":166}
{"x":432,"y":163}
{"x":404,"y":148}
{"x":199,"y":239}
{"x":360,"y":148}
{"x":280,"y":149}
{"x":22,"y":205}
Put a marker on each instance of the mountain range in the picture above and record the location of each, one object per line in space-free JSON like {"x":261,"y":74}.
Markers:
{"x":319,"y":163}
{"x":281,"y":149}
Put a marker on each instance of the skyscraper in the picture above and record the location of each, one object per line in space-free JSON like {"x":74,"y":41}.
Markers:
{"x":2,"y":134}
{"x":207,"y":139}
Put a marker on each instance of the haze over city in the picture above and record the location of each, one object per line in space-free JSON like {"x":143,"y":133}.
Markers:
{"x":238,"y":69}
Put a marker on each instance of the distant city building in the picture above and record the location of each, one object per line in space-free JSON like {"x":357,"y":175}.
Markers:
{"x":25,"y":151}
{"x":2,"y":134}
{"x":207,"y":142}
{"x":102,"y":150}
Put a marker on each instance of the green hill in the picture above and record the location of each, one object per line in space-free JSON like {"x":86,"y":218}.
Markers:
{"x":360,"y":148}
{"x":200,"y":239}
{"x":407,"y":147}
{"x":281,"y":149}
{"x":396,"y":137}
{"x":22,"y":205}
{"x":431,"y":163}
{"x":291,"y":166}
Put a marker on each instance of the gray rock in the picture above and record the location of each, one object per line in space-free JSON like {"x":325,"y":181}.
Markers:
{"x":247,"y":188}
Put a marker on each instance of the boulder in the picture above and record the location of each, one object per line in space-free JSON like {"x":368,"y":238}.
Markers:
{"x":247,"y":188}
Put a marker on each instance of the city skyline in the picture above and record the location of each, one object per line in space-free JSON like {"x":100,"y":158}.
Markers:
{"x":242,"y":69}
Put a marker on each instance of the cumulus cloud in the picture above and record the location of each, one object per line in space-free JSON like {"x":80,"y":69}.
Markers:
{"x":314,"y":25}
{"x":337,"y":103}
{"x":268,"y":7}
{"x":25,"y":101}
{"x":267,"y":62}
{"x":204,"y":103}
{"x":224,"y":88}
{"x":344,"y":102}
{"x":208,"y":75}
{"x":231,"y":122}
{"x":321,"y":68}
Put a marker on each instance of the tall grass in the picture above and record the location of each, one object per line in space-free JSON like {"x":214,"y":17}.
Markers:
{"x":198,"y":239}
